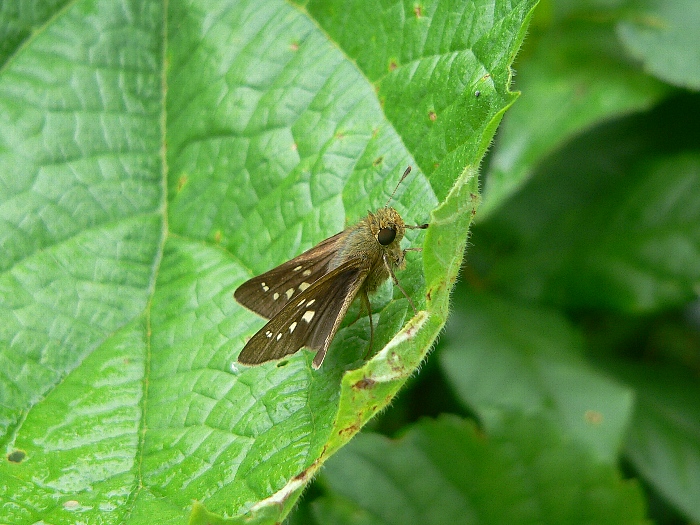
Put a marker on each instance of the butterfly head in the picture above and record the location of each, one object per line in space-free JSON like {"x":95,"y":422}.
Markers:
{"x":388,"y":228}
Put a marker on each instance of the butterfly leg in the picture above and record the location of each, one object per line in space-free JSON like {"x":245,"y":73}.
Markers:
{"x":366,"y":304}
{"x":396,"y":282}
{"x":359,"y":313}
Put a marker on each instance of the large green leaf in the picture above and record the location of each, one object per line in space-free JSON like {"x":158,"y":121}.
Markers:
{"x":610,"y":221}
{"x":585,"y":63}
{"x":664,"y":439}
{"x":445,"y":471}
{"x":663,"y":35}
{"x":573,"y":76}
{"x":153,"y":159}
{"x":502,"y":357}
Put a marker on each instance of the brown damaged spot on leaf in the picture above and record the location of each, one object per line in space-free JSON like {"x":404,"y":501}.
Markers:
{"x":348,"y":432}
{"x":432,"y":116}
{"x":16,"y":456}
{"x":308,"y":472}
{"x":393,"y":65}
{"x":396,"y":364}
{"x":181,"y":182}
{"x":411,"y":331}
{"x":217,"y":237}
{"x":594,"y":417}
{"x":301,"y":476}
{"x":418,"y":11}
{"x":364,"y":384}
{"x":294,"y":46}
{"x":378,"y":161}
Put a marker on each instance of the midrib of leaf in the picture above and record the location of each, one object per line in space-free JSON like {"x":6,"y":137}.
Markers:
{"x":163,"y":121}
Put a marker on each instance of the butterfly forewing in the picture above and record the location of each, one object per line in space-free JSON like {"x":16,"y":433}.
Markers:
{"x":311,"y":318}
{"x":269,"y":293}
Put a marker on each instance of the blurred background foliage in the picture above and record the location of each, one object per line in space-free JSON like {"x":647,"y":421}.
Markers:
{"x":565,"y":386}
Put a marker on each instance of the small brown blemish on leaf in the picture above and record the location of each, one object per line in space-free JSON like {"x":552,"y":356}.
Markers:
{"x":16,"y":456}
{"x":181,"y":182}
{"x":418,"y":11}
{"x":393,"y":65}
{"x":364,"y":384}
{"x":395,"y":363}
{"x":348,"y":432}
{"x":302,"y":475}
{"x":217,"y":236}
{"x":432,"y":116}
{"x":378,"y":161}
{"x":411,"y":331}
{"x":295,"y":147}
{"x":340,"y":135}
{"x":294,"y":46}
{"x":594,"y":417}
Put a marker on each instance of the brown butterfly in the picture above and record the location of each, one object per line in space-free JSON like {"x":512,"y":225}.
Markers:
{"x":306,"y":298}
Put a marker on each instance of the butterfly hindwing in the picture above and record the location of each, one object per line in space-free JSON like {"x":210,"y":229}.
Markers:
{"x":311,"y":318}
{"x":268,"y":293}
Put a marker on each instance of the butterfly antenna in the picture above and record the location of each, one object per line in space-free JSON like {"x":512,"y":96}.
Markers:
{"x":405,"y":174}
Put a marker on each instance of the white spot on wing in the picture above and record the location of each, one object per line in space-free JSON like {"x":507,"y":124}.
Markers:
{"x":268,"y":334}
{"x":306,"y":273}
{"x":292,"y":327}
{"x":289,"y":293}
{"x":303,"y":286}
{"x":308,"y":315}
{"x":312,"y":301}
{"x":264,"y":287}
{"x":298,"y":268}
{"x":276,"y":296}
{"x":279,"y":336}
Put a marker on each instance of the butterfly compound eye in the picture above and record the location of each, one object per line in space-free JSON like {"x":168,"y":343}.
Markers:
{"x":386,"y":236}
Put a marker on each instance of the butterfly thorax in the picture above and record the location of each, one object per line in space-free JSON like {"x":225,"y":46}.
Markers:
{"x":366,"y":240}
